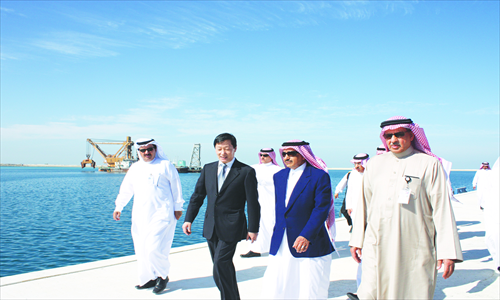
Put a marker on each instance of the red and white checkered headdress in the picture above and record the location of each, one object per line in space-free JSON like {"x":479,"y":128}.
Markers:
{"x":271,"y":153}
{"x":381,"y":149}
{"x":305,"y":150}
{"x":419,"y":142}
{"x":487,"y":164}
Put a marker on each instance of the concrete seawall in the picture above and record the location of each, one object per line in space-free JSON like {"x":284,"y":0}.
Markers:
{"x":191,"y":271}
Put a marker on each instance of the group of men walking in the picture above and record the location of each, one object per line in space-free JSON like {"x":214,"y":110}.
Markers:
{"x":403,"y":223}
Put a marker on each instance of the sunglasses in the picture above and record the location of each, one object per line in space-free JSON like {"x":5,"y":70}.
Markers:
{"x":400,"y":134}
{"x":150,"y":149}
{"x":264,"y":155}
{"x":290,"y":153}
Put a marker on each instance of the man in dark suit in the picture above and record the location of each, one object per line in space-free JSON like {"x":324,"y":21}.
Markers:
{"x":228,"y":184}
{"x":300,"y":254}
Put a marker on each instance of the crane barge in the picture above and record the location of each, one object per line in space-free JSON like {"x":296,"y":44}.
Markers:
{"x":118,"y":162}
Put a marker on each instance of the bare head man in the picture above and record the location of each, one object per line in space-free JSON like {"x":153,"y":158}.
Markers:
{"x":225,"y":147}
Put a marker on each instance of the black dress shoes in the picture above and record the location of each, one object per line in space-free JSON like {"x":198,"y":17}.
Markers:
{"x":147,"y":285}
{"x":161,"y":284}
{"x":250,"y":254}
{"x":352,"y":296}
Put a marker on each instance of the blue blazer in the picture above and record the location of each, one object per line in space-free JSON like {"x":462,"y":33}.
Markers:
{"x":306,"y":213}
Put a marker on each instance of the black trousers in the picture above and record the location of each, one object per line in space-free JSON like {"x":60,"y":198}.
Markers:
{"x":224,"y":272}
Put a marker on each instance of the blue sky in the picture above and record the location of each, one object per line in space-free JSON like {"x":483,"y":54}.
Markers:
{"x":184,"y":71}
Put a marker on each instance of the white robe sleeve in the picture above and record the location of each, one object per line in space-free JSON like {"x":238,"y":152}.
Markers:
{"x":474,"y":181}
{"x":126,"y":192}
{"x":342,"y":184}
{"x":447,"y":169}
{"x":360,"y":218}
{"x":175,"y":186}
{"x":447,"y":240}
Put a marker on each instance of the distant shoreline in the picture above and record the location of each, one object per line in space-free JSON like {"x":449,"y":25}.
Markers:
{"x":468,"y":170}
{"x":39,"y":165}
{"x":78,"y":166}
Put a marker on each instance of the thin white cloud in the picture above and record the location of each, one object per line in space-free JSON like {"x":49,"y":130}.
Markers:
{"x":186,"y":118}
{"x":80,"y":44}
{"x":100,"y":32}
{"x":406,"y":7}
{"x":11,"y":11}
{"x":149,"y":116}
{"x":483,"y":112}
{"x":6,"y":9}
{"x":181,"y":116}
{"x":171,"y":114}
{"x":5,"y":56}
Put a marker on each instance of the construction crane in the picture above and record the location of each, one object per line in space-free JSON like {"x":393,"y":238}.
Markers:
{"x":195,"y":165}
{"x":88,"y":161}
{"x":124,"y":154}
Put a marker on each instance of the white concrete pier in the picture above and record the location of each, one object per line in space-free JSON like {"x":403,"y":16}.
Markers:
{"x":191,"y":271}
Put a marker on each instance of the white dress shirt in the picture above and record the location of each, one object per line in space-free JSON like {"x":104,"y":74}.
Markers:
{"x":293,"y":178}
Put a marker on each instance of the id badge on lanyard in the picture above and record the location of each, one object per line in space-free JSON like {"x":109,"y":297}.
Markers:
{"x":404,"y":194}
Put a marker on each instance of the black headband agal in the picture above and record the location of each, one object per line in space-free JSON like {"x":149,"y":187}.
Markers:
{"x":267,"y":150}
{"x":381,"y":149}
{"x":395,"y":122}
{"x":295,"y":144}
{"x":146,"y":142}
{"x":361,"y":157}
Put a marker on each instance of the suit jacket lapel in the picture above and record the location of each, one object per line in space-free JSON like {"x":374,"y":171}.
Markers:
{"x":299,"y":187}
{"x":280,"y":187}
{"x":213,"y":172}
{"x":233,"y":173}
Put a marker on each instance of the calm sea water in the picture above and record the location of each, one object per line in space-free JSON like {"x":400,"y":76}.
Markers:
{"x":55,"y":217}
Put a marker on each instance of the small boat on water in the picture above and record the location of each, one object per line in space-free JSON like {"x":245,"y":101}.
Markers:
{"x":195,"y":170}
{"x":120,"y":167}
{"x":182,"y":169}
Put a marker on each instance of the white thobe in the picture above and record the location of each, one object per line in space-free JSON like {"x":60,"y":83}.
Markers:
{"x":480,"y":178}
{"x":354,"y":186}
{"x":492,"y":214}
{"x":353,"y":192}
{"x":267,"y":201}
{"x":157,"y":193}
{"x":401,"y":243}
{"x":289,"y":277}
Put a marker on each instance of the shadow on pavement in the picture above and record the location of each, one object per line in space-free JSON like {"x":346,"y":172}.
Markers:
{"x":469,"y":234}
{"x":340,"y":288}
{"x":475,"y":254}
{"x":484,"y":278}
{"x":467,"y":223}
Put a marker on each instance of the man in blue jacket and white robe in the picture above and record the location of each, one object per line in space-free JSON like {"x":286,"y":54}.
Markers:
{"x":300,"y":254}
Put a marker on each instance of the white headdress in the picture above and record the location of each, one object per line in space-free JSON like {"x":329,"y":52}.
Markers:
{"x":144,"y":142}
